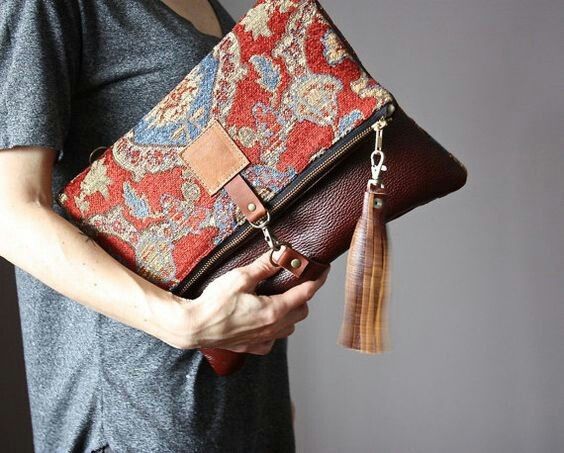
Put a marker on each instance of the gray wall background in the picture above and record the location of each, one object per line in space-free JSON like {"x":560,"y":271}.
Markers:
{"x":477,"y":309}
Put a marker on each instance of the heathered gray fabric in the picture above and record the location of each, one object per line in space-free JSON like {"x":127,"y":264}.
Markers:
{"x":75,"y":75}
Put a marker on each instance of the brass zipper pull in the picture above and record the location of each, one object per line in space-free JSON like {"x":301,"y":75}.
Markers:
{"x":377,"y":157}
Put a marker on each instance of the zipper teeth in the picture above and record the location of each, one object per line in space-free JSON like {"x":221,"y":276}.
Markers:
{"x":275,"y":208}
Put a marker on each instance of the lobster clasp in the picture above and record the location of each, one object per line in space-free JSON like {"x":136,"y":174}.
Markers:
{"x":377,"y":161}
{"x":269,"y":236}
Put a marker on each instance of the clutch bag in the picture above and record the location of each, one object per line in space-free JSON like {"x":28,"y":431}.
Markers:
{"x":274,"y":140}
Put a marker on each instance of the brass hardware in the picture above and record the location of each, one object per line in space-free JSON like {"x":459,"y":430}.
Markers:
{"x":378,"y":166}
{"x":264,"y":221}
{"x":271,"y":239}
{"x":269,"y":236}
{"x":377,"y":157}
{"x":296,"y":263}
{"x":379,"y":125}
{"x":252,"y":207}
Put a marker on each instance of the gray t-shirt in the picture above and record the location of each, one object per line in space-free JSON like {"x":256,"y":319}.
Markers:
{"x":75,"y":75}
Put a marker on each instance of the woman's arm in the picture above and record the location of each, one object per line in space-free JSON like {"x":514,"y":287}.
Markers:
{"x":44,"y":244}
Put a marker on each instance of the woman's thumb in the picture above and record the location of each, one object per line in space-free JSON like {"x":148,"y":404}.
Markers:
{"x":261,"y":268}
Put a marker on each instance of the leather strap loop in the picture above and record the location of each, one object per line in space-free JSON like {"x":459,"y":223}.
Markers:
{"x":296,"y":263}
{"x":245,"y":198}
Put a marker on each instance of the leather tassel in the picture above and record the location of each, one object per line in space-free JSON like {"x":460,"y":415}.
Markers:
{"x":365,"y":326}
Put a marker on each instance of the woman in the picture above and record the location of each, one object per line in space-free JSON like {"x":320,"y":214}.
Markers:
{"x":111,"y":359}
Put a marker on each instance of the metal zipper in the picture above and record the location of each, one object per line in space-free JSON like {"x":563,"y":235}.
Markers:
{"x":376,"y":123}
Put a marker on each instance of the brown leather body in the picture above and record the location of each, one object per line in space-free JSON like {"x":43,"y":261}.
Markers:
{"x":321,"y":223}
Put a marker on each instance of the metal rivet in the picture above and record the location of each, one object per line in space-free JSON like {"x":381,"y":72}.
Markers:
{"x":296,"y":263}
{"x":252,"y":207}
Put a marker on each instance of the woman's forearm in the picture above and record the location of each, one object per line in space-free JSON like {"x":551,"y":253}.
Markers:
{"x":44,"y":244}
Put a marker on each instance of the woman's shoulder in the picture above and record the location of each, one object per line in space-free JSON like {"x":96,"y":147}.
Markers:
{"x":39,"y":22}
{"x":43,"y":10}
{"x":39,"y":65}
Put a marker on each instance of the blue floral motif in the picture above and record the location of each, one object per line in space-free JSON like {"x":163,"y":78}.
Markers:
{"x":192,"y":111}
{"x":268,"y":179}
{"x":269,"y":72}
{"x":199,"y":114}
{"x":224,"y":214}
{"x":182,"y":217}
{"x":137,"y":205}
{"x":348,"y":122}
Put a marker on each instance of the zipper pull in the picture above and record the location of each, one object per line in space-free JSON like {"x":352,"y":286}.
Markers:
{"x":377,"y":157}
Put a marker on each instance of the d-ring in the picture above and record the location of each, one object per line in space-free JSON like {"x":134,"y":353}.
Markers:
{"x":100,"y":148}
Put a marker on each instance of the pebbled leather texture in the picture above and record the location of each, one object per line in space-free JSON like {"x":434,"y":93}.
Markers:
{"x":321,"y":223}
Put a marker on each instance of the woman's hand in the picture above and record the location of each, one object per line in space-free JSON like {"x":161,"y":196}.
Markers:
{"x":229,"y":315}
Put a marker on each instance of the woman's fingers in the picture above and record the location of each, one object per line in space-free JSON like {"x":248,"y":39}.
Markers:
{"x":256,"y":271}
{"x":286,"y":332}
{"x":297,"y":296}
{"x":263,"y":348}
{"x":295,"y":316}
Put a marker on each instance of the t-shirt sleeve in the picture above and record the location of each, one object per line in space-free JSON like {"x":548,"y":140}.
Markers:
{"x":40,"y":44}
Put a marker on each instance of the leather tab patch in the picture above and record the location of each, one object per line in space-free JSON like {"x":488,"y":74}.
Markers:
{"x":214,"y":157}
